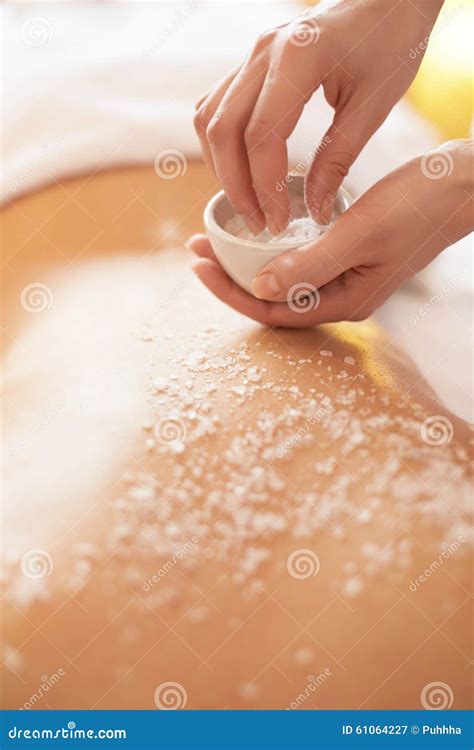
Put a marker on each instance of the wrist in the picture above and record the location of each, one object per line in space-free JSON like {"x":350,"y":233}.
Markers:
{"x":462,"y":154}
{"x":449,"y":189}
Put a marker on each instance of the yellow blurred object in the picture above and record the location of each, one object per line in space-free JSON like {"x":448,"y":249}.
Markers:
{"x":443,"y":89}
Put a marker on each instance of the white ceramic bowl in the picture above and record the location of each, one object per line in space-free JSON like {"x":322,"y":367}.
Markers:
{"x":243,"y":259}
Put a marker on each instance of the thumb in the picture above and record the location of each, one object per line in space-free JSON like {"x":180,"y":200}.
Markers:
{"x":335,"y":155}
{"x":312,"y":266}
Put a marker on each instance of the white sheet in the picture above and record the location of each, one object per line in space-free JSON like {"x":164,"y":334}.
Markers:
{"x":87,"y":86}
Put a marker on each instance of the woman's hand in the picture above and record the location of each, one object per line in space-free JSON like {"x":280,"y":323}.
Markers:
{"x":389,"y":234}
{"x":364,"y":53}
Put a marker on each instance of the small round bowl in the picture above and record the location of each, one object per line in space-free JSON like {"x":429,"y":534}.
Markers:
{"x":243,"y":259}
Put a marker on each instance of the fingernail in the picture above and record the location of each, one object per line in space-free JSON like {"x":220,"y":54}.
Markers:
{"x":327,"y":208}
{"x":273,"y":227}
{"x":266,"y":286}
{"x":253,"y":225}
{"x":187,"y":243}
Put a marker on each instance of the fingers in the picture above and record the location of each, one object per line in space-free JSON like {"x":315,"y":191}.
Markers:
{"x":200,"y":245}
{"x":221,"y":285}
{"x":205,"y":109}
{"x":350,"y":131}
{"x":287,"y":87}
{"x":345,"y":298}
{"x":339,"y":249}
{"x":225,"y":135}
{"x":353,"y":295}
{"x":244,"y":124}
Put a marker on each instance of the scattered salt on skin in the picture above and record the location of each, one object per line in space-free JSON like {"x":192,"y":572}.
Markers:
{"x":160,"y":384}
{"x":353,"y":587}
{"x":364,"y":516}
{"x":240,"y":390}
{"x":141,"y":494}
{"x":13,"y":659}
{"x":232,"y":520}
{"x":198,"y":614}
{"x":249,"y":691}
{"x":304,"y":656}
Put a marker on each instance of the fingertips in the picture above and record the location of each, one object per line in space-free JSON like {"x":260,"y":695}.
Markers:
{"x":278,"y":276}
{"x":212,"y":275}
{"x":200,"y":245}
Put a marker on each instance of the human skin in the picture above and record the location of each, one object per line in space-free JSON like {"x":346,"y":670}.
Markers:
{"x":356,"y":484}
{"x":359,"y":51}
{"x":389,"y":234}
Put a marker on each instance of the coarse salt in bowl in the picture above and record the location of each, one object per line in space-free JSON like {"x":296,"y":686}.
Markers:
{"x":243,"y":255}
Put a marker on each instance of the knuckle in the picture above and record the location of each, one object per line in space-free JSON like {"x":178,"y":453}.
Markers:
{"x":200,"y":120}
{"x":361,"y":313}
{"x":340,"y":164}
{"x":258,"y":133}
{"x":264,"y":40}
{"x":215,"y":131}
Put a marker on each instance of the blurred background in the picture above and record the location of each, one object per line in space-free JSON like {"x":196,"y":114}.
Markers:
{"x":92,"y":86}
